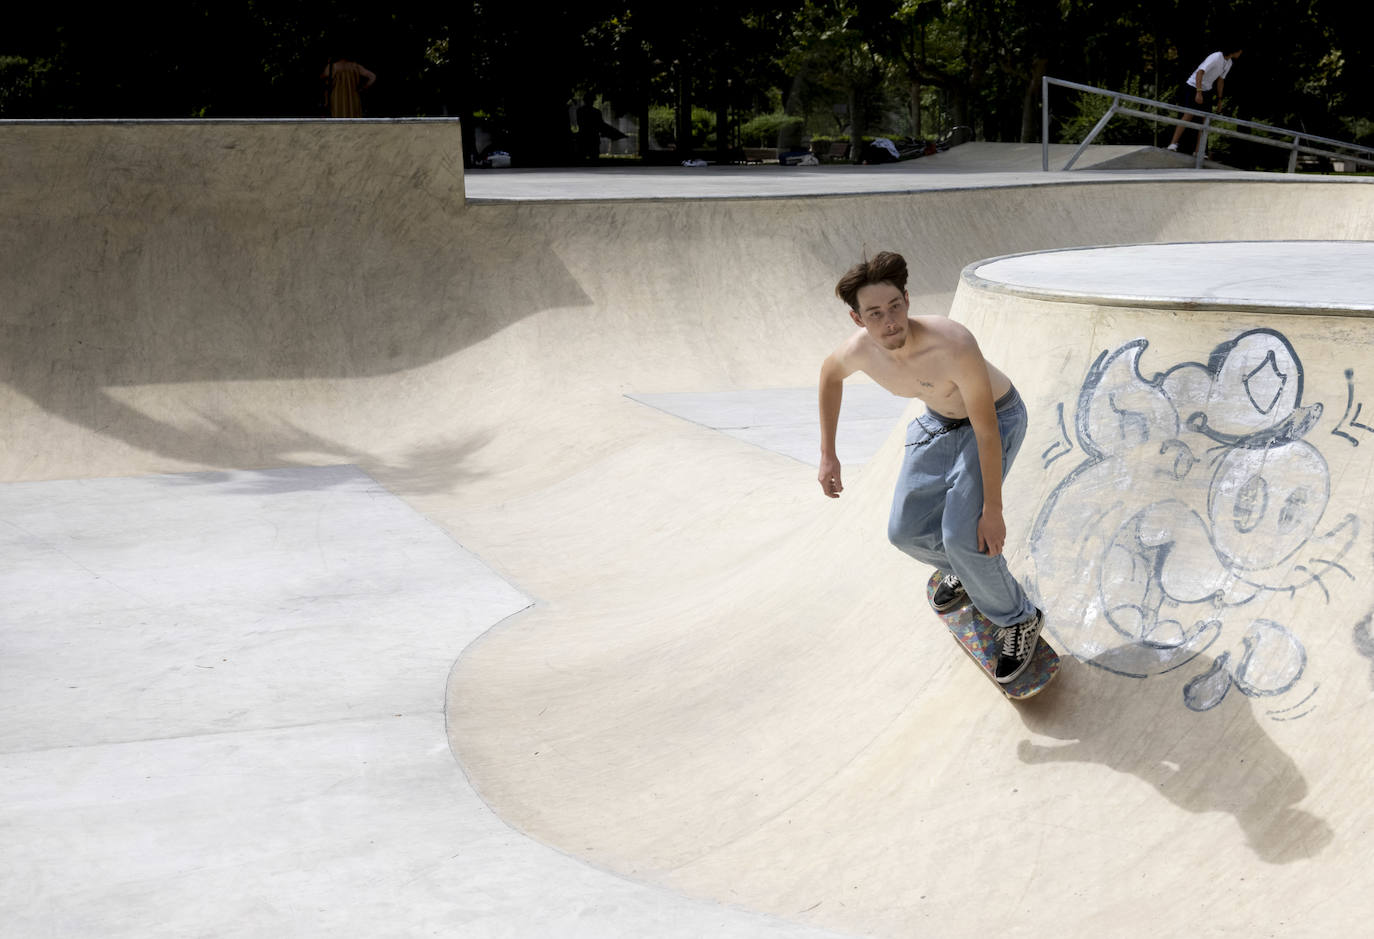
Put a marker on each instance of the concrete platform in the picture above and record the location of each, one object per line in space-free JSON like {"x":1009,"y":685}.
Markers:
{"x":975,"y":164}
{"x":223,"y":717}
{"x":355,"y":586}
{"x":784,"y":419}
{"x":1284,"y":277}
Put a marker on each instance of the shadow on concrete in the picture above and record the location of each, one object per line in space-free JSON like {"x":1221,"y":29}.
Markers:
{"x":1216,"y":761}
{"x":152,"y":271}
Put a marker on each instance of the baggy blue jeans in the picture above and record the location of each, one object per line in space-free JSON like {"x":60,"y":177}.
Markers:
{"x":939,"y":500}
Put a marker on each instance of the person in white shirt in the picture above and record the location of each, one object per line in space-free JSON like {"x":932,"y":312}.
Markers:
{"x":1196,"y":92}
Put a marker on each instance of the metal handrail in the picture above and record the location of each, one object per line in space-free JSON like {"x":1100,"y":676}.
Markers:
{"x":1208,"y":127}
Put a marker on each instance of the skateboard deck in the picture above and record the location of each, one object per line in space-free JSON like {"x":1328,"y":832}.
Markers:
{"x":975,"y":634}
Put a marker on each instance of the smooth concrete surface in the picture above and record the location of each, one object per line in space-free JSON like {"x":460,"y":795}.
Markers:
{"x":784,"y":420}
{"x":223,"y":700}
{"x":727,"y":711}
{"x":1257,"y":276}
{"x":970,"y":165}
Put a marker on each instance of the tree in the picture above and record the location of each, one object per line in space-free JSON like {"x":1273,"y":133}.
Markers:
{"x":833,"y":56}
{"x":1308,"y":67}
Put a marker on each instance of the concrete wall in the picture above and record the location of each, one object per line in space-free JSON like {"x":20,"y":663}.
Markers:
{"x":728,"y":685}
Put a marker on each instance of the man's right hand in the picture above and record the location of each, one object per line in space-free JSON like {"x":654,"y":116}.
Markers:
{"x":830,"y":477}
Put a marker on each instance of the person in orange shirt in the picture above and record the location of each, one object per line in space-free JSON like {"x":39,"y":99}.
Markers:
{"x":344,"y":81}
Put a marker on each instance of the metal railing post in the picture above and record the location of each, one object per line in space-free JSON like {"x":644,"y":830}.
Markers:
{"x":1092,"y":134}
{"x":1201,"y":153}
{"x":1293,"y":154}
{"x":1045,"y":123}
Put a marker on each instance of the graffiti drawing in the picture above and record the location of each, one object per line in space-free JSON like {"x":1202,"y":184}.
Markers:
{"x":1198,"y":501}
{"x":1348,"y":419}
{"x":1061,"y":447}
{"x":1301,"y":708}
{"x":1364,"y":641}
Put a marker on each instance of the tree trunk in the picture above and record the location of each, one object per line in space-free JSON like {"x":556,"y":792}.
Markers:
{"x":916,"y":130}
{"x":1030,"y":132}
{"x":958,"y":109}
{"x":457,"y":93}
{"x":642,"y":105}
{"x":684,"y":111}
{"x":856,"y":131}
{"x":723,"y":124}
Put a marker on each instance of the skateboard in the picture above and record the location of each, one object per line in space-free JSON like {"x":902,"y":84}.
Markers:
{"x":975,"y":634}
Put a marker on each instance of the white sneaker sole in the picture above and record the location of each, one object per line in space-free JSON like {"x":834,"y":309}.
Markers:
{"x":952,"y":605}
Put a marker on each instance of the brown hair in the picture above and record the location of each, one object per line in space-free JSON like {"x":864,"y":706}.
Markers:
{"x":886,"y":267}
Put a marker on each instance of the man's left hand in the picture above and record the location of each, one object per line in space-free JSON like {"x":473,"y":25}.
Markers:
{"x":992,"y":533}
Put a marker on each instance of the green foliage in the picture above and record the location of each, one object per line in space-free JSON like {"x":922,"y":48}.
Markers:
{"x":844,"y":77}
{"x":765,"y":130}
{"x":841,"y":67}
{"x":1088,"y":109}
{"x":16,"y":83}
{"x":663,"y":127}
{"x":1359,"y":130}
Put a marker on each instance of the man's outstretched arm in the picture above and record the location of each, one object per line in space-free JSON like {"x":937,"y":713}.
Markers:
{"x":833,"y":374}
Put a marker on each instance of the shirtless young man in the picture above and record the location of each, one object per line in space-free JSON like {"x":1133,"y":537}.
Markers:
{"x":947,"y":510}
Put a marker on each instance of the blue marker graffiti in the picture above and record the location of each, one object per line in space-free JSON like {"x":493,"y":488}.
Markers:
{"x":1348,"y":419}
{"x":1198,"y":498}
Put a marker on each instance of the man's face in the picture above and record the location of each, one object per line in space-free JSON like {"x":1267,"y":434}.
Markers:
{"x":883,"y":312}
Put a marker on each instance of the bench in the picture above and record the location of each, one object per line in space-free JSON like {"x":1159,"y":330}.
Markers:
{"x":838,"y":152}
{"x":760,"y":154}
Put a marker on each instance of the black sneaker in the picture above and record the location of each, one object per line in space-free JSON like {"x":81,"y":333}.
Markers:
{"x":1016,"y":647}
{"x":948,"y":594}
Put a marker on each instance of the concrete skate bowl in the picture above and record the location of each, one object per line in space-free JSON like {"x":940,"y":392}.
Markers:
{"x":727,"y":685}
{"x":765,"y":714}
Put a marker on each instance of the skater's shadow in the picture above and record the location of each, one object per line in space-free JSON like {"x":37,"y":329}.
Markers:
{"x":1219,"y":760}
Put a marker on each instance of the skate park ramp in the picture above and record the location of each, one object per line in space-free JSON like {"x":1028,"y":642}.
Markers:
{"x":362,"y":575}
{"x":969,"y":165}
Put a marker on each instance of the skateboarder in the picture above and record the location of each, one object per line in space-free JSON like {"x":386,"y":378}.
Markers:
{"x":1196,"y":92}
{"x":947,"y":510}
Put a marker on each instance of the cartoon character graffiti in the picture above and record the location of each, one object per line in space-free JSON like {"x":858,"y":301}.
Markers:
{"x":1198,"y":502}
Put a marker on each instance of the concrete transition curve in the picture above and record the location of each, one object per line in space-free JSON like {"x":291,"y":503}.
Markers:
{"x":728,"y":685}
